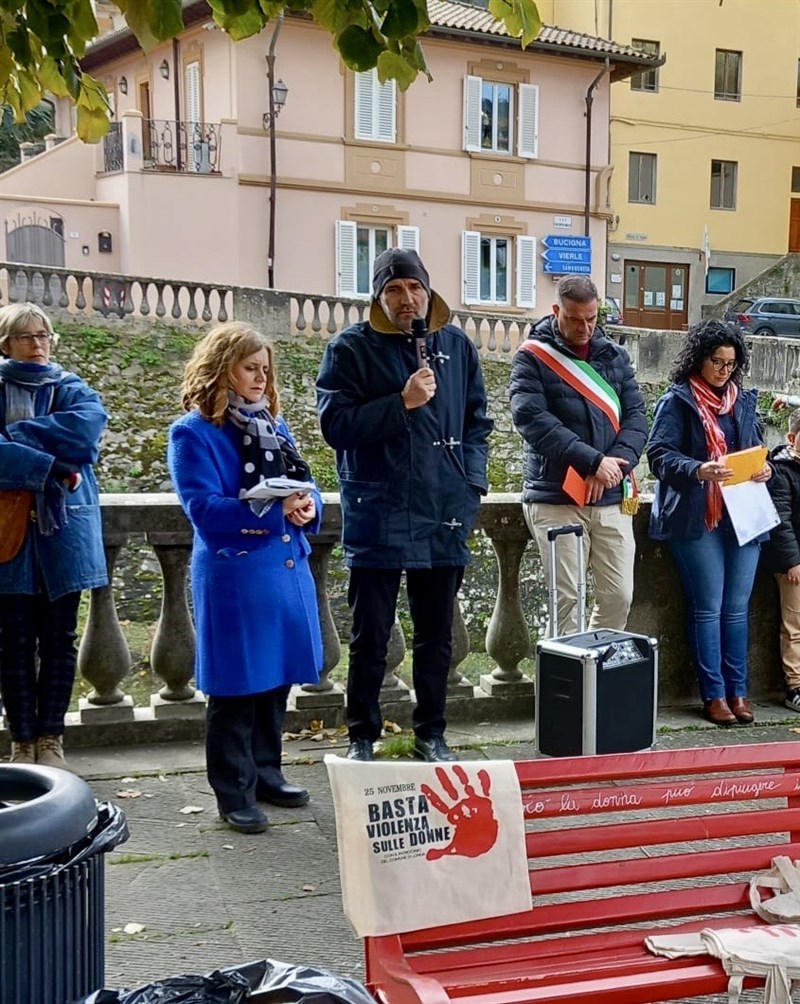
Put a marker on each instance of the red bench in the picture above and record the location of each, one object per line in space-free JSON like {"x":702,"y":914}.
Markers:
{"x":618,"y":846}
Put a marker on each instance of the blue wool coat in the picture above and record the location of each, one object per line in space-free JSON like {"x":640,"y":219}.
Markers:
{"x":72,"y":558}
{"x":255,"y":604}
{"x":675,"y":451}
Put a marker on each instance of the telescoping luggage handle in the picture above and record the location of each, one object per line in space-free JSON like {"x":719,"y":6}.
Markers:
{"x":552,"y":535}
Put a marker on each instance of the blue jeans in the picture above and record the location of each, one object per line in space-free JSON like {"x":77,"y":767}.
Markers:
{"x":717,"y":576}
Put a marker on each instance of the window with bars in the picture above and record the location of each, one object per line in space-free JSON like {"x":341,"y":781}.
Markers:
{"x":642,"y":177}
{"x":375,"y":108}
{"x":648,"y":79}
{"x":723,"y":184}
{"x":728,"y":75}
{"x":501,"y":117}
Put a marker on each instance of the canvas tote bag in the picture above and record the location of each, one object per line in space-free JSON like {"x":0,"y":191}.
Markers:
{"x":15,"y":516}
{"x":423,"y":844}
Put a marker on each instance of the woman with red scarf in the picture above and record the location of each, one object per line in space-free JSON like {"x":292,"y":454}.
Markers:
{"x":702,"y":417}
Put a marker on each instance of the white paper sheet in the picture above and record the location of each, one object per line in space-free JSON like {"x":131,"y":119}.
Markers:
{"x":276,"y":488}
{"x":751,"y":509}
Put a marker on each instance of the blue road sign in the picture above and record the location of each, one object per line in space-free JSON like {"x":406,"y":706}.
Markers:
{"x":567,"y":268}
{"x":570,"y":243}
{"x":566,"y":257}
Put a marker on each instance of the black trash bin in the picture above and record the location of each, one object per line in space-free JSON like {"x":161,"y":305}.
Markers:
{"x":53,"y":835}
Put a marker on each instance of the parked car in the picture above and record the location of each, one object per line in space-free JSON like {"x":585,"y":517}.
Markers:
{"x":766,"y":315}
{"x":613,"y":310}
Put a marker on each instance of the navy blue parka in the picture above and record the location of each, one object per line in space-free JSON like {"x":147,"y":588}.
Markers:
{"x":410,"y":481}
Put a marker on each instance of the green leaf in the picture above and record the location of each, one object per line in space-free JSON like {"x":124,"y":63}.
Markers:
{"x":238,"y":18}
{"x":137,"y":15}
{"x":395,"y":67}
{"x":358,"y":48}
{"x":166,"y":20}
{"x":83,"y":25}
{"x":520,"y":17}
{"x":94,"y":115}
{"x":401,"y":19}
{"x":52,"y":79}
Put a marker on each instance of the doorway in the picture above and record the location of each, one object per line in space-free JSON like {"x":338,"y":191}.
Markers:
{"x":656,"y":295}
{"x":794,"y":226}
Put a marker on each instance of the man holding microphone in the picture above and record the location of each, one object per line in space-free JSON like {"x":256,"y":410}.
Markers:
{"x":402,"y":402}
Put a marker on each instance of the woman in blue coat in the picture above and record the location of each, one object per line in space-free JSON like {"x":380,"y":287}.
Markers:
{"x":50,"y":428}
{"x":254,"y":598}
{"x":705,"y":415}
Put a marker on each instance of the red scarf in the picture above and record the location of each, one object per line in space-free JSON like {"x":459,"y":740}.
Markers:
{"x":710,"y":405}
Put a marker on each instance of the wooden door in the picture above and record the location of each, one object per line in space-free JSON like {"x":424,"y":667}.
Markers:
{"x":656,"y":295}
{"x":145,"y":109}
{"x":794,"y":225}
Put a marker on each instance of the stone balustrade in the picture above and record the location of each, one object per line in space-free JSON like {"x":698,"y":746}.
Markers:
{"x":108,"y":714}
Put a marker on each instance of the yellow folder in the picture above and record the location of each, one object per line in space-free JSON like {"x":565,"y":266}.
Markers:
{"x":744,"y":464}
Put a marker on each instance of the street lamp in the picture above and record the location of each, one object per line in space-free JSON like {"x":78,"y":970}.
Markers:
{"x":277,"y":93}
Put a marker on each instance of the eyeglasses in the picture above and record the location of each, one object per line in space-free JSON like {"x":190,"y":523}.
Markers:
{"x":36,"y":336}
{"x":723,"y":365}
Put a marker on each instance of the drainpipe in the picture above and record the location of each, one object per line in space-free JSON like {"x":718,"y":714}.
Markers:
{"x":176,"y":84}
{"x":273,"y":180}
{"x":587,"y":195}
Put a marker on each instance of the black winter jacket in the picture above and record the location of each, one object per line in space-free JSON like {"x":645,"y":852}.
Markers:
{"x":410,"y":481}
{"x":561,"y":428}
{"x":782,"y":552}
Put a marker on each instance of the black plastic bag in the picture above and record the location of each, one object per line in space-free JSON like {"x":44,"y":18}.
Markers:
{"x":264,"y":982}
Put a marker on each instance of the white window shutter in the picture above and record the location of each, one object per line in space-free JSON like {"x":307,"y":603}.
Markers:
{"x":408,"y":238}
{"x":192,"y":95}
{"x":346,"y":239}
{"x":365,"y":100}
{"x":472,"y":112}
{"x":528,"y":145}
{"x":471,"y":266}
{"x":386,"y":129}
{"x":526,"y":271}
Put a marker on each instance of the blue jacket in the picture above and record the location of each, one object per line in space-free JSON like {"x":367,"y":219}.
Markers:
{"x":255,"y":605}
{"x":675,"y":451}
{"x":560,"y":428}
{"x":72,"y":558}
{"x":410,"y":481}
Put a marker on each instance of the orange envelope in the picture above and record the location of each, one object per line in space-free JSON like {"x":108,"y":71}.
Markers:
{"x":744,"y":464}
{"x":575,"y":486}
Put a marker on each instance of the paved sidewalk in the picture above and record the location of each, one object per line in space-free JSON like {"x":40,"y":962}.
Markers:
{"x":208,"y":897}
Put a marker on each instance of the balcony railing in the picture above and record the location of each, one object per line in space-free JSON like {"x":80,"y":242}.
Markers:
{"x":113,"y":155}
{"x":189,"y":147}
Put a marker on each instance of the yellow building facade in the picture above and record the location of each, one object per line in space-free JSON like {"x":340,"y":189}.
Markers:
{"x":705,"y":190}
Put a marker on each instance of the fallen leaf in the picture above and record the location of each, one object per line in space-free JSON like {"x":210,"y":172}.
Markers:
{"x":189,"y":810}
{"x":225,"y":847}
{"x":309,"y":888}
{"x":391,"y":726}
{"x":127,"y":780}
{"x":129,"y":793}
{"x":133,"y":929}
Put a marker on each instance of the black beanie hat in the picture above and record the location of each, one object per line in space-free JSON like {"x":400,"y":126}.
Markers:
{"x":397,"y":263}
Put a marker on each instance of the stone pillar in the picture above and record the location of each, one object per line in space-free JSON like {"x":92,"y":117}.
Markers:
{"x":132,"y":148}
{"x":103,"y":657}
{"x":457,"y":684}
{"x":507,"y":637}
{"x":172,"y":655}
{"x":393,"y":689}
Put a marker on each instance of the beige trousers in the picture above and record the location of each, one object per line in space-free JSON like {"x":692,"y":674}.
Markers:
{"x":608,"y":549}
{"x":790,"y":631}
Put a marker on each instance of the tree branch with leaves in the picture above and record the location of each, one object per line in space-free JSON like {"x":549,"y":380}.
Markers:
{"x":42,"y":41}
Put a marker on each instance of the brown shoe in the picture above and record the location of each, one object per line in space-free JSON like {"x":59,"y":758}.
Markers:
{"x":740,"y":706}
{"x":50,"y":752}
{"x":718,"y":713}
{"x":23,"y":753}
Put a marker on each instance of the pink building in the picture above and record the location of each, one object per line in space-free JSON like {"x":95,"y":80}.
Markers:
{"x":474,"y":170}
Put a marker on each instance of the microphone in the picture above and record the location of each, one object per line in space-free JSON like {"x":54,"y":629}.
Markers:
{"x":419,"y":329}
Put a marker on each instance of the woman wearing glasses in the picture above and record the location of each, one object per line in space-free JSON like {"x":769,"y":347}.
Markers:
{"x":50,"y":428}
{"x":704,"y":415}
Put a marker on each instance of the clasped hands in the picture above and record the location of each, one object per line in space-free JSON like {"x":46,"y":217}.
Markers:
{"x":299,"y":508}
{"x":609,"y":474}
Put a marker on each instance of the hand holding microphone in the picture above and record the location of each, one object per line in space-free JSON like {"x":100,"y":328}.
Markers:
{"x":420,"y":386}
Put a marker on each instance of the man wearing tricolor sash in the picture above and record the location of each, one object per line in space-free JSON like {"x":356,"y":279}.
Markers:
{"x":581,"y":414}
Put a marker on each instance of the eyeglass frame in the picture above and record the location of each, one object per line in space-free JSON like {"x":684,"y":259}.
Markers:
{"x":28,"y":338}
{"x":724,"y":365}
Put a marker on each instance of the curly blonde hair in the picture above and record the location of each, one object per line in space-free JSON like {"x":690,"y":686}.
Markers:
{"x":206,"y":379}
{"x":14,"y":317}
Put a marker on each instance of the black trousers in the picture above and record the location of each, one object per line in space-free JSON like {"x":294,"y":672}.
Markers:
{"x":372,"y":595}
{"x":243,"y":745}
{"x":36,"y":702}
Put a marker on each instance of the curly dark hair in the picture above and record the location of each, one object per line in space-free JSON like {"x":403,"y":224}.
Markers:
{"x":702,"y":340}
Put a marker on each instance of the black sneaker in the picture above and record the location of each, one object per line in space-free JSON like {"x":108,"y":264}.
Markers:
{"x":793,"y":699}
{"x":360,"y":749}
{"x":434,"y":750}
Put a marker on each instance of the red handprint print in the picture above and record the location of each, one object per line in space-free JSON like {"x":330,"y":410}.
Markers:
{"x":471,"y":815}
